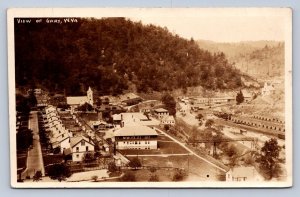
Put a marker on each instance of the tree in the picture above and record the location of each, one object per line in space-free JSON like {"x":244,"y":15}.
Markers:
{"x":22,"y":104}
{"x":32,"y":100}
{"x":269,"y":158}
{"x":231,"y":152}
{"x":153,"y":178}
{"x":114,"y":68}
{"x":24,"y":139}
{"x":152,"y":169}
{"x":59,"y":172}
{"x":85,"y":107}
{"x":112,"y":167}
{"x":135,"y":163}
{"x":63,"y":106}
{"x":37,"y":176}
{"x":166,"y":127}
{"x":209,"y":123}
{"x":95,"y":178}
{"x":239,"y":97}
{"x":199,"y":117}
{"x":194,"y":133}
{"x":89,"y":157}
{"x":56,"y":150}
{"x":178,"y":176}
{"x":170,"y":103}
{"x":128,"y":177}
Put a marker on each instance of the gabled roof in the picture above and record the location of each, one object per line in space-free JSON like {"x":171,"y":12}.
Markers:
{"x":246,"y":93}
{"x":136,"y":130}
{"x":129,"y":96}
{"x":161,"y":110}
{"x":76,"y":100}
{"x":98,"y":122}
{"x":75,"y":140}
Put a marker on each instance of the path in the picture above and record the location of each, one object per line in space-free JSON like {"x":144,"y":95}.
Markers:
{"x":35,"y":157}
{"x":190,"y":151}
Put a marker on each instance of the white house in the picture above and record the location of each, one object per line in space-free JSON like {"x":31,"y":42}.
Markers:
{"x":161,"y":112}
{"x":247,"y":96}
{"x":168,"y":120}
{"x":243,"y":174}
{"x":75,"y":101}
{"x":80,"y":146}
{"x":136,"y":137}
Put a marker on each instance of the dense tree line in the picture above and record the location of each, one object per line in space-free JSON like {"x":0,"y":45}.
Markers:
{"x":113,"y":54}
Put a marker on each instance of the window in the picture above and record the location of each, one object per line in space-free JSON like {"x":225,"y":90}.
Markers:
{"x":77,"y":149}
{"x":86,"y":148}
{"x":63,"y":135}
{"x":82,"y":143}
{"x":77,"y":156}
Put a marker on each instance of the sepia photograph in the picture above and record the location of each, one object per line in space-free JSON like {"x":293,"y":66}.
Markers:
{"x":150,"y":97}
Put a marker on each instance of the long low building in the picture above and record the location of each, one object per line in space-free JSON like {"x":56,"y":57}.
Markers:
{"x":136,"y":137}
{"x":259,"y":123}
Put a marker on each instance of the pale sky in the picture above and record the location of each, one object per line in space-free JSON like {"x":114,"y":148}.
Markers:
{"x":223,"y":28}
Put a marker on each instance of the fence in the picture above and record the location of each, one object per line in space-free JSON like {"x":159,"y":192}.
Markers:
{"x":151,"y":167}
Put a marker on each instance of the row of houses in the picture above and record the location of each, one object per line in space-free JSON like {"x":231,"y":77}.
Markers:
{"x":64,"y":139}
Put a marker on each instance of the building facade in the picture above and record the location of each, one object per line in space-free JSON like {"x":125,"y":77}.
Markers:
{"x":161,"y":112}
{"x":136,"y":137}
{"x":75,"y":101}
{"x":80,"y":146}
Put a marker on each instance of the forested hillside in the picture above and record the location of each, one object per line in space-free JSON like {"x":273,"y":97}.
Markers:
{"x":264,"y":62}
{"x":112,"y":55}
{"x":256,"y":58}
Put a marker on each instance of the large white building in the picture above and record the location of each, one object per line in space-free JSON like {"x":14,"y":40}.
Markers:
{"x":168,"y":120}
{"x":136,"y":137}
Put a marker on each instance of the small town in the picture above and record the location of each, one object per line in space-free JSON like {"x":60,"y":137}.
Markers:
{"x":129,"y":138}
{"x":120,"y":100}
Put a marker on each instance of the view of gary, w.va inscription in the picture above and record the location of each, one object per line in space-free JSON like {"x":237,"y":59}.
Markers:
{"x":148,"y":100}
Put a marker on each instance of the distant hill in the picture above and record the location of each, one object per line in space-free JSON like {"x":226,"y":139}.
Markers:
{"x":259,"y":59}
{"x":113,"y":55}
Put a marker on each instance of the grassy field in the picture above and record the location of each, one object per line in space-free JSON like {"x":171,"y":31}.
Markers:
{"x":198,"y":170}
{"x":144,"y":175}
